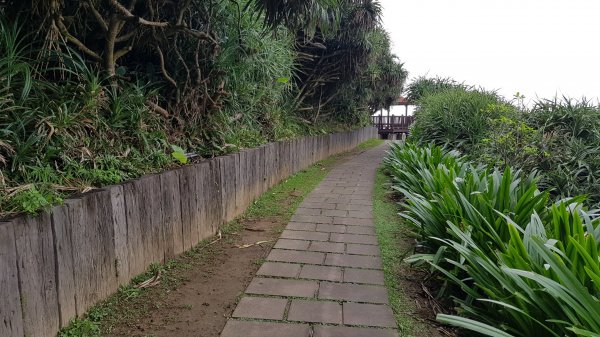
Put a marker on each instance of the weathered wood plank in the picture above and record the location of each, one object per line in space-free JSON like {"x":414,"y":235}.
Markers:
{"x":228,"y":183}
{"x":135,"y":245}
{"x":11,"y":316}
{"x":65,"y":283}
{"x":203,"y":204}
{"x":189,"y":214}
{"x":171,"y":214}
{"x":152,"y":227}
{"x":119,"y":221}
{"x":94,"y":256}
{"x":215,"y":206}
{"x":37,"y":275}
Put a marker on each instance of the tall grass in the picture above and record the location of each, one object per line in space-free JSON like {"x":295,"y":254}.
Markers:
{"x":514,"y":264}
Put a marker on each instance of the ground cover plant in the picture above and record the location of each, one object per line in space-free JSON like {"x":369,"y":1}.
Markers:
{"x":514,"y":262}
{"x":102,"y":91}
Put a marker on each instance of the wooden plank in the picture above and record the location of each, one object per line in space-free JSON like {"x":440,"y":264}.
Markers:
{"x":135,"y":245}
{"x":214,"y":204}
{"x":203,"y":224}
{"x":11,"y":316}
{"x":241,"y":185}
{"x":94,"y":256}
{"x":271,"y":169}
{"x":152,"y":227}
{"x":189,"y":215}
{"x":171,"y":214}
{"x":119,"y":221}
{"x":228,"y":190}
{"x":65,"y":283}
{"x":36,"y":263}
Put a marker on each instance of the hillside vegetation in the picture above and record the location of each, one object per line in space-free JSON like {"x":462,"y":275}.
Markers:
{"x":97,"y":92}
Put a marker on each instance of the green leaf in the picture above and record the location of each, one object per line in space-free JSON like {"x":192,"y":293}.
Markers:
{"x":180,"y":157}
{"x":472,"y":325}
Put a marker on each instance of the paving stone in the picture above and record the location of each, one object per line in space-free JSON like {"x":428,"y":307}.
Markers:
{"x":361,"y":196}
{"x":235,"y":328}
{"x":360,"y":214}
{"x":335,"y":212}
{"x":369,"y":315}
{"x":308,"y":211}
{"x":354,"y":238}
{"x":367,"y":276}
{"x":302,"y":235}
{"x":353,"y":292}
{"x":260,"y":307}
{"x":341,"y":331}
{"x":315,"y":312}
{"x":356,"y":261}
{"x":358,"y":249}
{"x":327,"y":247}
{"x":292,"y":244}
{"x":352,"y":207}
{"x":323,"y":273}
{"x":301,"y":226}
{"x":318,"y":205}
{"x":353,"y":221}
{"x":325,"y":195}
{"x":296,"y":256}
{"x":365,"y":230}
{"x":282,"y":287}
{"x":311,"y":199}
{"x":331,"y":228}
{"x":361,"y":202}
{"x":279,"y":269}
{"x":341,"y":200}
{"x":312,"y":218}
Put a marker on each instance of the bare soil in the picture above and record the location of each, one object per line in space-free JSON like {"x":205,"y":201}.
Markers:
{"x":206,"y":292}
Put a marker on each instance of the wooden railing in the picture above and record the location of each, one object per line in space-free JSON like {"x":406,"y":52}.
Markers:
{"x":392,"y":124}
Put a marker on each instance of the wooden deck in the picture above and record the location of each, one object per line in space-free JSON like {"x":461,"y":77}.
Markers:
{"x":392,"y":124}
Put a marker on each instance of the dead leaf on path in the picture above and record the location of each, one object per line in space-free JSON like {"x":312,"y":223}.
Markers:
{"x":248,"y":245}
{"x":151,"y":282}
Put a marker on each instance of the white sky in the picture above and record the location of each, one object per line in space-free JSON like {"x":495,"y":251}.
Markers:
{"x":537,"y":47}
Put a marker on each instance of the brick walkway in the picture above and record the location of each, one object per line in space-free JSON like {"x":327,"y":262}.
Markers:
{"x":323,"y":278}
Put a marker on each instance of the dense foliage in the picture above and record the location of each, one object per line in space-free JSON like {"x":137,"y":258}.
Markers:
{"x":514,"y":264}
{"x":557,"y":138}
{"x":97,"y":92}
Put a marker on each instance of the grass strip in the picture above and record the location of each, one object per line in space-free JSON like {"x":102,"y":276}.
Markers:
{"x":393,"y":236}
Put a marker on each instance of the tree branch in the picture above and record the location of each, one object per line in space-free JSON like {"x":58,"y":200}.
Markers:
{"x":126,"y":37}
{"x":130,"y":16}
{"x":122,"y":52}
{"x":98,"y":16}
{"x":162,"y":67}
{"x":76,"y":42}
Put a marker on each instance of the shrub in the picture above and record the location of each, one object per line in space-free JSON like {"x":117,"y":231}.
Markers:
{"x":571,"y":133}
{"x":511,"y":142}
{"x":457,"y":116}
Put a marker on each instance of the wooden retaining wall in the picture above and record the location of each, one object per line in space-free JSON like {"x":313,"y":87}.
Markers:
{"x":53,"y":267}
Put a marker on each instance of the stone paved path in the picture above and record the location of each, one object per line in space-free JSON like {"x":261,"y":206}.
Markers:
{"x":323,"y":278}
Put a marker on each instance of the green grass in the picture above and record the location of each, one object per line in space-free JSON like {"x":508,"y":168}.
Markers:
{"x":278,"y":204}
{"x":393,"y":240}
{"x":371,"y":143}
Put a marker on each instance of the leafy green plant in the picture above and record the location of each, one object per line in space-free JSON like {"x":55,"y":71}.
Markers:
{"x":513,"y":264}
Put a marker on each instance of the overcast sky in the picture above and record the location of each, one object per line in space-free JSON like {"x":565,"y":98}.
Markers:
{"x":537,"y":47}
